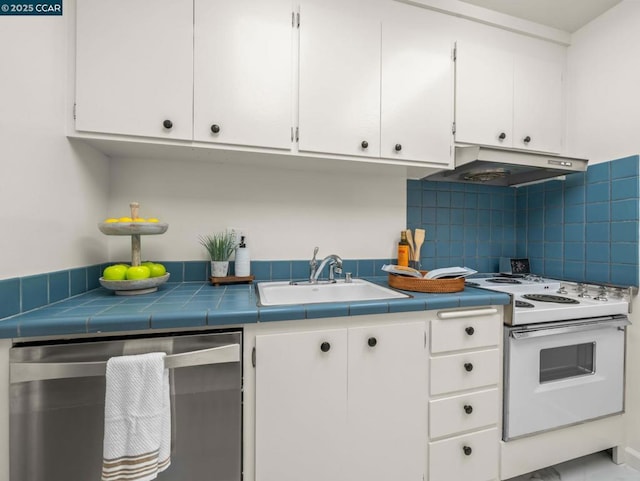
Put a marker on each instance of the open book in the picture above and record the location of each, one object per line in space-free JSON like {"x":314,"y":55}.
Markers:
{"x":445,"y":272}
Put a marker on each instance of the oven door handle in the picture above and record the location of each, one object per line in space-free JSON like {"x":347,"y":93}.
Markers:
{"x":40,"y":371}
{"x":567,"y":328}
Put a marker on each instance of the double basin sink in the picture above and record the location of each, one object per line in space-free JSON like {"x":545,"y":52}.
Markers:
{"x":286,"y":293}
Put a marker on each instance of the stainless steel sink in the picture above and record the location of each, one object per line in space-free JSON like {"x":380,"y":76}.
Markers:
{"x":285,"y":293}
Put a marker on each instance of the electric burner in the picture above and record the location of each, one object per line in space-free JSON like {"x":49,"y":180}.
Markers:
{"x":520,"y":303}
{"x":504,"y":280}
{"x":550,"y":298}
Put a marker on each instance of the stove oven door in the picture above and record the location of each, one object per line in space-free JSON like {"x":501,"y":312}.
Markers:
{"x":558,"y":374}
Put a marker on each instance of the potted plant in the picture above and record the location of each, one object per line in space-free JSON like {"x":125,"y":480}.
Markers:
{"x":220,"y":247}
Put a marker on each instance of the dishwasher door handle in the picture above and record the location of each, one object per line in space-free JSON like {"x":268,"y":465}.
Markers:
{"x":40,"y":371}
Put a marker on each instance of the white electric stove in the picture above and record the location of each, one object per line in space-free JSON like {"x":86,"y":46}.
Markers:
{"x":536,"y":299}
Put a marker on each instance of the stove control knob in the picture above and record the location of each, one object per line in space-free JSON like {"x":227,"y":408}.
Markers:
{"x":602,"y":294}
{"x":562,"y":290}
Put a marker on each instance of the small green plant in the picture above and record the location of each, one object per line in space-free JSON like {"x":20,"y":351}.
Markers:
{"x":220,"y":246}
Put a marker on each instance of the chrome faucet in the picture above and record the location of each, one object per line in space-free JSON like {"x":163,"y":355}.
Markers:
{"x":313,"y":264}
{"x":335,"y":267}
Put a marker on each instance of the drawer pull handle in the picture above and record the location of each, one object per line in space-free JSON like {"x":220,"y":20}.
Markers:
{"x":372,"y":341}
{"x":467,"y":313}
{"x":325,"y":346}
{"x":167,"y":124}
{"x":469,"y":330}
{"x":468,"y":409}
{"x":467,"y":450}
{"x":468,"y":366}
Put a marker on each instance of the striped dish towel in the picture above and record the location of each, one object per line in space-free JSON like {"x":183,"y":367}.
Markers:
{"x":137,"y":418}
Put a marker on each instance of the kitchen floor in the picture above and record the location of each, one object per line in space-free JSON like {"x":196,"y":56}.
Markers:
{"x":596,"y":467}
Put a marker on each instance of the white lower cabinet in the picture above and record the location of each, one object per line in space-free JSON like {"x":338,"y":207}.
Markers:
{"x":469,"y":457}
{"x":342,"y":404}
{"x":464,"y":401}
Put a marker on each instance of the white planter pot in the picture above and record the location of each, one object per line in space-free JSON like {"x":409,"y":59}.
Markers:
{"x":219,"y":268}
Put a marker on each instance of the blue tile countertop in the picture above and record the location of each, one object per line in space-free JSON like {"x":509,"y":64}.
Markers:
{"x":198,"y":304}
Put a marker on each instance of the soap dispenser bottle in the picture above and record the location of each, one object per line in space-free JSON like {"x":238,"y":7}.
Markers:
{"x":243,"y":260}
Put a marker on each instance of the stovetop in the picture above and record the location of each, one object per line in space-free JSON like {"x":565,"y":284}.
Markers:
{"x":537,"y":299}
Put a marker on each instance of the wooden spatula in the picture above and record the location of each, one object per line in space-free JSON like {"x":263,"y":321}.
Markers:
{"x":419,"y":240}
{"x":410,"y":241}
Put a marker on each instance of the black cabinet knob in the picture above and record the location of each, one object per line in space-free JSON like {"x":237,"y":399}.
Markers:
{"x":468,"y":409}
{"x":468,"y":366}
{"x":364,"y":144}
{"x":502,"y":136}
{"x":215,"y":128}
{"x":372,"y":341}
{"x":467,"y":450}
{"x":325,"y":346}
{"x":167,"y":124}
{"x":527,"y":139}
{"x":398,"y":147}
{"x":469,"y":330}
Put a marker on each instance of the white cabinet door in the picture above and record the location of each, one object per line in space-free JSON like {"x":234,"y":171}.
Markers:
{"x":301,"y":406}
{"x":339,"y":80}
{"x":538,"y":104}
{"x":243,"y":72}
{"x":134,"y":67}
{"x":417,"y":91}
{"x":484,"y":95}
{"x":388,"y":402}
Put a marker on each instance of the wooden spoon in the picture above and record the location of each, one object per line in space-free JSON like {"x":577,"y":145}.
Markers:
{"x":419,"y":240}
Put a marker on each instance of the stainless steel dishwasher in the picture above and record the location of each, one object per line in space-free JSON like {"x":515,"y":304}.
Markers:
{"x":57,"y":405}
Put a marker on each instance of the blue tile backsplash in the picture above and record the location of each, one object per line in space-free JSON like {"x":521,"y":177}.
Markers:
{"x":583,"y":228}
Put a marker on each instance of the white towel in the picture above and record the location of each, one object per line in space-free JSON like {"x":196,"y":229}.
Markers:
{"x":137,"y":418}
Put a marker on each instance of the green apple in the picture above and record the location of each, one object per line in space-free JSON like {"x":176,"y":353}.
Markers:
{"x":114,"y":273}
{"x":147,"y":263}
{"x":138,"y":272}
{"x":157,"y":270}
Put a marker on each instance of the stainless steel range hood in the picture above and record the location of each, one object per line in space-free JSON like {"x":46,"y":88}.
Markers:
{"x":498,"y":166}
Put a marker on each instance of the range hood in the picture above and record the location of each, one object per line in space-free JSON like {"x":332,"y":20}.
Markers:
{"x":498,"y":166}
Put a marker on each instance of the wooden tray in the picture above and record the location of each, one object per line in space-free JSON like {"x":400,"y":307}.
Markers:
{"x":415,"y":284}
{"x":217,"y":281}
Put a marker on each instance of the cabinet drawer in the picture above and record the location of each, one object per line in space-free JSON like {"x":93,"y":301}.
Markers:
{"x":463,"y":371}
{"x":472,"y":457}
{"x":464,"y":412}
{"x":465,"y":333}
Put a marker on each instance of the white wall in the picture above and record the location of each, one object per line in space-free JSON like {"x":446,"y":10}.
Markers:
{"x":286,"y":209}
{"x":603,"y":94}
{"x":603,"y":122}
{"x":52,"y":193}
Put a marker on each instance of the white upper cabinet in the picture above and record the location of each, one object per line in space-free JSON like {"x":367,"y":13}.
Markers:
{"x":538,"y":104}
{"x":243,"y":72}
{"x":134,"y":67}
{"x":417,"y":88}
{"x":484,"y":96}
{"x":376,"y":84}
{"x":508,"y":100}
{"x":339,"y":80}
